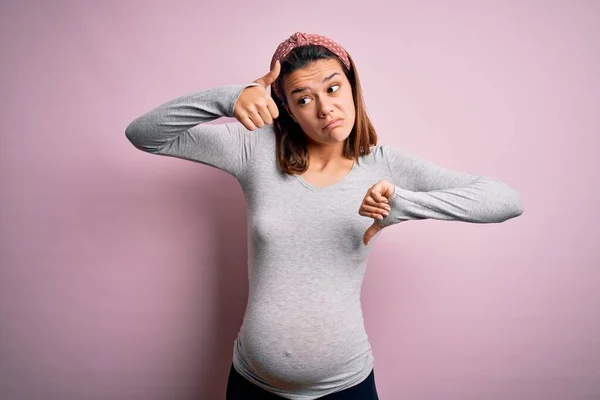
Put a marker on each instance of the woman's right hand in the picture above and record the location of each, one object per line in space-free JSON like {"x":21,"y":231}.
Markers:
{"x":255,"y":107}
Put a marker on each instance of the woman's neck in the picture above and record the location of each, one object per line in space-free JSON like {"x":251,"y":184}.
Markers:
{"x":326,"y":156}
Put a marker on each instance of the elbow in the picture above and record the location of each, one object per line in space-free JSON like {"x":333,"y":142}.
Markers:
{"x":140,"y":134}
{"x":513,"y":207}
{"x":504,"y":203}
{"x":136,"y":133}
{"x":518,"y":210}
{"x":132,"y":133}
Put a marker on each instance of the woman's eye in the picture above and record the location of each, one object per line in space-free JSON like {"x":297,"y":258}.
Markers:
{"x":306,"y":98}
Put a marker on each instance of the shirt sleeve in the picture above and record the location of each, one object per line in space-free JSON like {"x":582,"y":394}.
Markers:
{"x":424,"y":190}
{"x":176,"y":129}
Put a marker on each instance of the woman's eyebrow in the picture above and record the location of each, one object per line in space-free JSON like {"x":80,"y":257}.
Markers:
{"x":305,"y":88}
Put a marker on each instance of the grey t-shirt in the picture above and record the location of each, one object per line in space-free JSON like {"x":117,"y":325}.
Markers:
{"x":303,"y":333}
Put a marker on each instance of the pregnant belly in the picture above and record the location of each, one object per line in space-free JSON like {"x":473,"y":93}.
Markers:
{"x":293,"y":348}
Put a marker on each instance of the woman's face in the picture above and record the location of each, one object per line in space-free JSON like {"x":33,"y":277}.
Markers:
{"x":318,"y":94}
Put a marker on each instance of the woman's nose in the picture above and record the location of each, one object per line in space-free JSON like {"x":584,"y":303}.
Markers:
{"x":325,"y":109}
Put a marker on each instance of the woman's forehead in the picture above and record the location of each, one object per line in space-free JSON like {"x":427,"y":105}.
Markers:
{"x":314,"y":74}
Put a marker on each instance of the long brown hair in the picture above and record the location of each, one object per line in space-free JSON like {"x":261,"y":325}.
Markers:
{"x":292,"y":151}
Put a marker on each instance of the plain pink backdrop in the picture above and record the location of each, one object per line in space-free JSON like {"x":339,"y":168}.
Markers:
{"x":123,"y":274}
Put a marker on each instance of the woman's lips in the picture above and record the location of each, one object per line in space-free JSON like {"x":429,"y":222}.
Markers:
{"x":333,"y":124}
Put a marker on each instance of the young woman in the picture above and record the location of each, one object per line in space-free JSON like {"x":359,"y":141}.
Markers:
{"x":318,"y":188}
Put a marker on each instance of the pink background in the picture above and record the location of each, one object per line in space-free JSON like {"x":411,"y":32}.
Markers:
{"x":123,"y":274}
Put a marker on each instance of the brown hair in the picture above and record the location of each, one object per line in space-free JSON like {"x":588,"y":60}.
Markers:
{"x":292,"y":152}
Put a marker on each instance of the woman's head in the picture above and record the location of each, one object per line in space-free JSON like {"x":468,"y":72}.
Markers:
{"x":314,"y":87}
{"x":316,"y":94}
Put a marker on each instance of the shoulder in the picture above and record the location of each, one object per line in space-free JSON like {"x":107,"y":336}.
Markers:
{"x":394,"y":155}
{"x":378,"y":154}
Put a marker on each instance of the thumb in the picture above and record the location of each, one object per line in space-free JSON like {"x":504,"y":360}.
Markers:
{"x":271,"y":76}
{"x":371,"y":231}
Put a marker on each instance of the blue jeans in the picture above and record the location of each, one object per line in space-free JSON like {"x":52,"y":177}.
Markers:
{"x":239,"y":388}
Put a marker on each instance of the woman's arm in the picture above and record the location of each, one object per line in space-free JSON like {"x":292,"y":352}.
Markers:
{"x":175,"y":129}
{"x":426,"y":190}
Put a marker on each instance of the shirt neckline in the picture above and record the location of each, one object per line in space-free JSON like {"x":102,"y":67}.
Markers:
{"x":312,"y":187}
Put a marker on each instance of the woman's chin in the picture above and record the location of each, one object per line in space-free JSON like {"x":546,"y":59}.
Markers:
{"x":338,"y":134}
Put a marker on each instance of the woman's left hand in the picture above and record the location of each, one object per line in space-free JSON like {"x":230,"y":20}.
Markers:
{"x":375,"y":205}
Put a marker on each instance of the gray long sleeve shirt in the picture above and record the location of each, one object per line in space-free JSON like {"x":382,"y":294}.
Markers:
{"x":303,"y":333}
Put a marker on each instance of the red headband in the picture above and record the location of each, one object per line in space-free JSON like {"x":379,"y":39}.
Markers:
{"x":302,"y":39}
